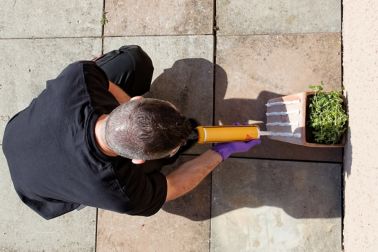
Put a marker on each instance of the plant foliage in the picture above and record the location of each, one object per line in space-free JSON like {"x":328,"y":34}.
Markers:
{"x":104,"y":19}
{"x":327,"y":119}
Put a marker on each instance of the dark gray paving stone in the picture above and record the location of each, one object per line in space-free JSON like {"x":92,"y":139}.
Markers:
{"x":144,"y":17}
{"x":261,"y":205}
{"x":253,"y":69}
{"x":29,"y":63}
{"x":54,"y":18}
{"x":22,"y":229}
{"x":182,"y":224}
{"x":183,"y":73}
{"x":238,"y":17}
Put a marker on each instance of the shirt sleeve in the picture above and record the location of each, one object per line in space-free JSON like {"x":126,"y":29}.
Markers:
{"x":147,"y":192}
{"x":47,"y":208}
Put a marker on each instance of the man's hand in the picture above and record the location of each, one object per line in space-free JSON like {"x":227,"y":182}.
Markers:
{"x":227,"y":149}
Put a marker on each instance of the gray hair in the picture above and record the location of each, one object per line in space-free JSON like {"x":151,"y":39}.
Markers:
{"x":146,"y":129}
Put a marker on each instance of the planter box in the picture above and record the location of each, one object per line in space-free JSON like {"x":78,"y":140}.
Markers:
{"x":286,"y":118}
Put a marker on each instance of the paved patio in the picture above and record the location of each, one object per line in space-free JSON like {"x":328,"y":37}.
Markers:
{"x":218,"y":61}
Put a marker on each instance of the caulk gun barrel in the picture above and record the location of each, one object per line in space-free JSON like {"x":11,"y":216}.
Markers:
{"x":219,"y":134}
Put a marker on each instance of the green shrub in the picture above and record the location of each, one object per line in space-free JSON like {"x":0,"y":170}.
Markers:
{"x":327,"y":120}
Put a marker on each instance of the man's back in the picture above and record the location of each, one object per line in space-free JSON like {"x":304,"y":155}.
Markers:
{"x":50,"y":146}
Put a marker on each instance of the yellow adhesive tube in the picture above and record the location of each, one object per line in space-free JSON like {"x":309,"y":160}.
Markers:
{"x":218,"y":134}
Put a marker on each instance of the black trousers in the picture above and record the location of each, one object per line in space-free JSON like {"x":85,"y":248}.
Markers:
{"x":129,"y":67}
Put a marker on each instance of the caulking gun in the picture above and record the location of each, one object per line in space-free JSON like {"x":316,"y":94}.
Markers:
{"x":218,"y":134}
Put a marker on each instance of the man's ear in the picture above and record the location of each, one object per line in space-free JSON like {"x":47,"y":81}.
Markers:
{"x":137,"y":161}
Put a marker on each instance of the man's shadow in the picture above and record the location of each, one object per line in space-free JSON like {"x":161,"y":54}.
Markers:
{"x":189,"y":85}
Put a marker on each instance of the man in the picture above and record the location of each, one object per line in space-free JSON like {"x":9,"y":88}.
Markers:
{"x":85,"y":141}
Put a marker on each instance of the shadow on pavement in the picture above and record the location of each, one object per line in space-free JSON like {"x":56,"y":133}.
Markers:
{"x":272,"y":186}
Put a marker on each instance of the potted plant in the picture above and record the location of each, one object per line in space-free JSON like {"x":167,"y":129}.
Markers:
{"x":314,"y":118}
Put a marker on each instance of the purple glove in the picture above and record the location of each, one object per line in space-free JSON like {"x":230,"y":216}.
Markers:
{"x":227,"y":149}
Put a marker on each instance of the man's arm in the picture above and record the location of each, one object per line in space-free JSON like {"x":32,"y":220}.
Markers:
{"x":118,"y":93}
{"x":191,"y":173}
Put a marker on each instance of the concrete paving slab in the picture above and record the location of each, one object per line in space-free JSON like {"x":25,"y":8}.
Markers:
{"x":360,"y":37}
{"x":261,"y":205}
{"x":182,"y":225}
{"x":239,"y":17}
{"x":253,"y":69}
{"x":34,"y":18}
{"x":23,"y":230}
{"x":183,"y":72}
{"x":159,"y":17}
{"x":28,"y":64}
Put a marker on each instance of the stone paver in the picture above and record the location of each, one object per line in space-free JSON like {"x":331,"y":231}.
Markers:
{"x":183,"y":72}
{"x":261,"y":205}
{"x":144,"y":17}
{"x":34,"y":18}
{"x":360,"y":164}
{"x":182,"y":225}
{"x":23,"y":74}
{"x":23,"y":230}
{"x":253,"y":69}
{"x":239,"y":17}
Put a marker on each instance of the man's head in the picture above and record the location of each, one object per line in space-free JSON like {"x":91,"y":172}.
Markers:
{"x":146,"y":129}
